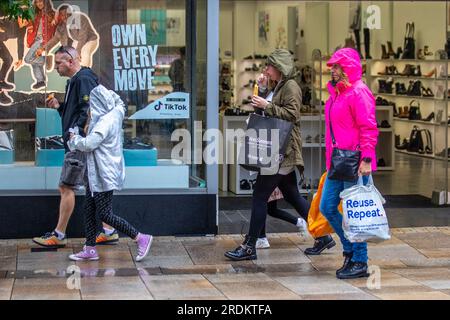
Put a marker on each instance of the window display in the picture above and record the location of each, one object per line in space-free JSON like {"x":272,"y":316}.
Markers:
{"x":138,"y":49}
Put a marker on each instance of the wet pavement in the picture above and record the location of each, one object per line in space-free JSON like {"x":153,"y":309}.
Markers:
{"x":414,"y":264}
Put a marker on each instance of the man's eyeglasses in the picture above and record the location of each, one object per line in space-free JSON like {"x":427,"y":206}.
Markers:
{"x":63,"y":49}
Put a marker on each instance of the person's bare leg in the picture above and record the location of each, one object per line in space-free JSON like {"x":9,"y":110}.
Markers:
{"x":66,"y":207}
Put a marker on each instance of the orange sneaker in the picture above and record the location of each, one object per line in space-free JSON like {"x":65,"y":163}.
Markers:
{"x":50,"y":240}
{"x":103,"y":238}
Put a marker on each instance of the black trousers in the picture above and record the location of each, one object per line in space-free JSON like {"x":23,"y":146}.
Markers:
{"x":274,"y":211}
{"x":264,"y":187}
{"x":101,"y":204}
{"x":7,"y":61}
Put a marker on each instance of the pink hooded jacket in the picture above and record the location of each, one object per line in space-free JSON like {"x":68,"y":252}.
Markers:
{"x":352,"y":111}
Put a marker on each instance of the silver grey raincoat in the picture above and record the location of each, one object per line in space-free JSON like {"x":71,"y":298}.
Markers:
{"x":103,"y":143}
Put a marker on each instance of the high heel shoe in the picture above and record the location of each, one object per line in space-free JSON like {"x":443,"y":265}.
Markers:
{"x":431,"y":73}
{"x":430,"y":117}
{"x":427,"y":93}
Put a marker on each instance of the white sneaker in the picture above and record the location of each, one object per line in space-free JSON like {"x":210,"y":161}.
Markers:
{"x":262,"y":243}
{"x":303,"y":227}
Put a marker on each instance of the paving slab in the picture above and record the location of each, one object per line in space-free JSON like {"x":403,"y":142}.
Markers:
{"x":281,"y":256}
{"x":426,"y":240}
{"x":6,"y":286}
{"x":114,"y":288}
{"x":209,"y":252}
{"x":181,"y":287}
{"x":251,"y":287}
{"x":317,"y":285}
{"x":414,"y":296}
{"x":43,"y":289}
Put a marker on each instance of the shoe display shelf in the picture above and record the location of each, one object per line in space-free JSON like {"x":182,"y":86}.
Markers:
{"x":247,"y":71}
{"x":386,"y":140}
{"x":226,"y":84}
{"x":231,"y":174}
{"x":433,"y":80}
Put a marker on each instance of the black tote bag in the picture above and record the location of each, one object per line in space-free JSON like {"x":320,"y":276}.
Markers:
{"x":259,"y":149}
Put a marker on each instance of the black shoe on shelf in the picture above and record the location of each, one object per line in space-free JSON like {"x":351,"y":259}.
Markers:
{"x":246,"y":251}
{"x":353,"y":270}
{"x":385,"y":124}
{"x":347,"y":259}
{"x":381,"y":163}
{"x":403,"y":146}
{"x":320,"y":244}
{"x":250,"y":57}
{"x":429,"y":118}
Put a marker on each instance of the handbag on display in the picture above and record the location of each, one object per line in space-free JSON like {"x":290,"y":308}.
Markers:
{"x":259,"y":149}
{"x":415,"y":140}
{"x":409,"y":51}
{"x":344,"y":163}
{"x":414,"y":111}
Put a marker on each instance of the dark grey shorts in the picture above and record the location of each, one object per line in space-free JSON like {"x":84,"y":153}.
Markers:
{"x":80,"y":178}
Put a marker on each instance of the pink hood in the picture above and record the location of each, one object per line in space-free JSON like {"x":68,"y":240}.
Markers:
{"x":352,"y":111}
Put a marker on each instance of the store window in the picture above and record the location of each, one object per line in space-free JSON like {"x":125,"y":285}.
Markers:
{"x":149,"y":52}
{"x":404,"y":47}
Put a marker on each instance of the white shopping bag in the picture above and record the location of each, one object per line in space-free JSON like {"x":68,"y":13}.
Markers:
{"x":364,"y":218}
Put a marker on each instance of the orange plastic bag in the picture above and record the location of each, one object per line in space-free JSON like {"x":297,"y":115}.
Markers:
{"x":318,"y":225}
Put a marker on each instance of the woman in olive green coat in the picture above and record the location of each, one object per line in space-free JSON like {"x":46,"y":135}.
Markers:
{"x":285,"y":105}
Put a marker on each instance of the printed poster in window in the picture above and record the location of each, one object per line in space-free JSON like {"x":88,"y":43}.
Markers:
{"x":175,"y":26}
{"x":263,"y":28}
{"x":155,"y":21}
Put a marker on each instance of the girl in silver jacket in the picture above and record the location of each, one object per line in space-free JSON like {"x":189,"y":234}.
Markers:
{"x":105,"y":170}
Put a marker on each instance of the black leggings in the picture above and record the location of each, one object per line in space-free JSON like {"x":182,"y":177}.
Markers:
{"x":101,"y":204}
{"x":273,"y":211}
{"x":264,"y":186}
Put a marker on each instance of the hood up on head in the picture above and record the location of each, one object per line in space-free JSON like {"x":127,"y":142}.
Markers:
{"x":350,"y":62}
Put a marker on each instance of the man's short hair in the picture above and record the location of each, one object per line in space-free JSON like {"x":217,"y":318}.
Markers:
{"x":183,"y":51}
{"x":71,"y":51}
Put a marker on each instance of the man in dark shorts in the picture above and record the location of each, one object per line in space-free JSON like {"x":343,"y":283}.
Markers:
{"x":73,"y":113}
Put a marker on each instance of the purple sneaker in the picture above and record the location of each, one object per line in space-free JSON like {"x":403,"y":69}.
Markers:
{"x":88,"y":254}
{"x":144,"y":242}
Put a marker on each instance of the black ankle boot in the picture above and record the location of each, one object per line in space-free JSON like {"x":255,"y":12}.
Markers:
{"x":347,"y":259}
{"x":246,"y":251}
{"x":354,"y":270}
{"x":320,"y":244}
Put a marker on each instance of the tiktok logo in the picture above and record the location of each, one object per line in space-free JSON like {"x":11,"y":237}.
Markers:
{"x":158,"y":106}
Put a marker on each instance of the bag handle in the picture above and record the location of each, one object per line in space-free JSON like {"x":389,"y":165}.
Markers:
{"x":414,"y":101}
{"x":333,"y":139}
{"x":407,"y":30}
{"x":369,"y":182}
{"x":412,"y":30}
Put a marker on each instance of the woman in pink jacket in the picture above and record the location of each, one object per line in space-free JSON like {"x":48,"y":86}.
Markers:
{"x":351,"y":110}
